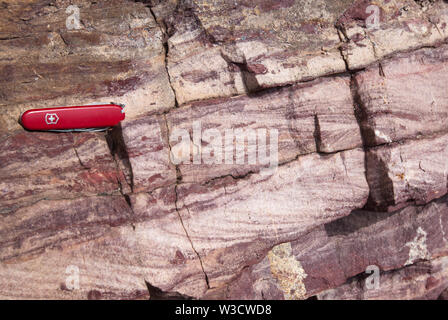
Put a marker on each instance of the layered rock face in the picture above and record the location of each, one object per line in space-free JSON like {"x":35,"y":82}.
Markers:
{"x":286,"y":149}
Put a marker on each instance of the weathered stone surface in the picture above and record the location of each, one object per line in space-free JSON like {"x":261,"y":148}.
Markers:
{"x":135,"y":224}
{"x":224,"y":48}
{"x":437,"y":14}
{"x":115,"y":250}
{"x":402,"y":25}
{"x":306,"y":118}
{"x":147,"y":149}
{"x":402,"y":173}
{"x":332,"y":253}
{"x":443,"y":295}
{"x":424,"y":280}
{"x":202,"y":73}
{"x":250,"y":215}
{"x":55,"y":224}
{"x":336,"y":126}
{"x":42,"y":165}
{"x":405,"y":97}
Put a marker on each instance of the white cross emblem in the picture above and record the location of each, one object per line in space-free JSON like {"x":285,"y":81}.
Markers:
{"x":51,"y":118}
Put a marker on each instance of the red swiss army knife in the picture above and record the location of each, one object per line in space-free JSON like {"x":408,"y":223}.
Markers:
{"x":96,"y":117}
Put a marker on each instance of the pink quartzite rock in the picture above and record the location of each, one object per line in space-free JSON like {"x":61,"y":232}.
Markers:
{"x":148,"y":152}
{"x":361,"y":119}
{"x":113,"y":249}
{"x":227,"y":48}
{"x":401,"y":25}
{"x":38,"y":165}
{"x":424,"y":280}
{"x":402,"y":173}
{"x":52,"y":224}
{"x":406,"y":97}
{"x":343,"y":249}
{"x":311,"y":117}
{"x":250,"y":215}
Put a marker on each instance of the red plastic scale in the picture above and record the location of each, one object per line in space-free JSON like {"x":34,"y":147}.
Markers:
{"x":75,"y":118}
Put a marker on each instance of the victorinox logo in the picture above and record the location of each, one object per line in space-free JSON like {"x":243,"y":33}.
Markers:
{"x":51,"y":118}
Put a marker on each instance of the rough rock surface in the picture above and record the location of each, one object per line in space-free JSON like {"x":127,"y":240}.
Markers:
{"x":340,"y":250}
{"x":352,"y":177}
{"x":304,"y":122}
{"x":394,"y":108}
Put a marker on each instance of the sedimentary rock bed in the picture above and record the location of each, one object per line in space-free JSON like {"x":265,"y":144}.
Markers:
{"x":271,"y":150}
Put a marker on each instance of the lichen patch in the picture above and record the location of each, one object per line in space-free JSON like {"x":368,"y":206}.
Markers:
{"x":417,"y":248}
{"x":288,"y":272}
